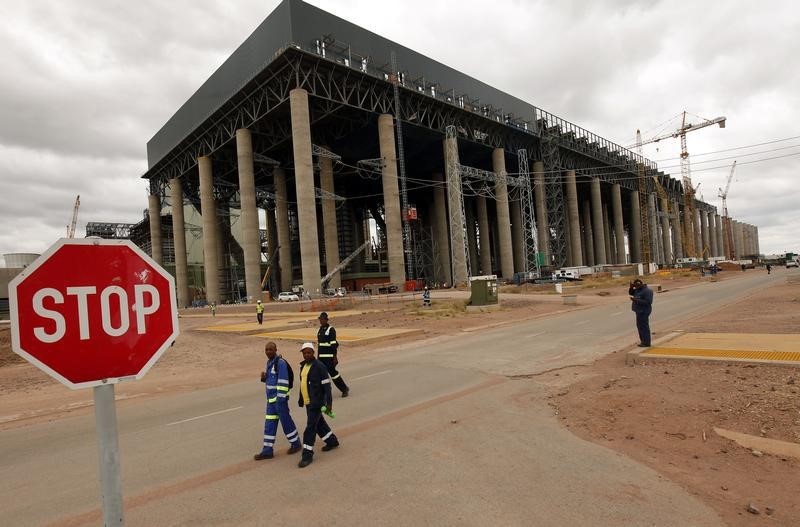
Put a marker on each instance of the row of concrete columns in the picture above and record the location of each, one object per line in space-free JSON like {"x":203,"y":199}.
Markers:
{"x":601,"y":241}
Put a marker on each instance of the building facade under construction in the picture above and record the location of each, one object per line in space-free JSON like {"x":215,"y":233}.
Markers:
{"x":370,"y":163}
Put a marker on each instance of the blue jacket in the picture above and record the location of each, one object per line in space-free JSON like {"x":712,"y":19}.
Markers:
{"x":277,"y":380}
{"x":642,"y":300}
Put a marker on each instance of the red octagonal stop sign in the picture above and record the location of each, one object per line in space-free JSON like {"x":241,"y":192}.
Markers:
{"x":91,"y":312}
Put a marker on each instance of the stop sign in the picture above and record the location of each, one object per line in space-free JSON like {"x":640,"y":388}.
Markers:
{"x":91,"y":312}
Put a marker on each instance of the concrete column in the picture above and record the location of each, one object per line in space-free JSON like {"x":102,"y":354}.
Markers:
{"x":738,"y":241}
{"x":597,"y":224}
{"x":517,"y":240}
{"x":688,"y":233}
{"x":712,"y":234}
{"x":677,"y":231}
{"x":726,"y":243}
{"x":329,"y":221}
{"x":304,"y":186}
{"x":483,"y":234}
{"x":272,"y":243}
{"x":154,"y":210}
{"x":758,"y":243}
{"x":282,"y":220}
{"x":440,"y":230}
{"x":607,"y":235}
{"x":391,"y":201}
{"x":719,"y":235}
{"x":542,"y":226}
{"x":705,"y":233}
{"x":698,"y":234}
{"x":619,"y":226}
{"x":588,"y":238}
{"x":249,"y":218}
{"x":503,"y":215}
{"x":568,"y":239}
{"x":223,"y":261}
{"x":666,"y":238}
{"x":573,"y":217}
{"x":460,"y":273}
{"x":635,"y":233}
{"x":472,"y":238}
{"x":655,"y":236}
{"x":179,"y":242}
{"x":209,"y":211}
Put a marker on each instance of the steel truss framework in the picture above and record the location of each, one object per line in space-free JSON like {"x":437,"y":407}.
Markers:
{"x":333,"y":84}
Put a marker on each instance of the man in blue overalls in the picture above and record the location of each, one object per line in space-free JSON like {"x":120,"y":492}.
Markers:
{"x":276,"y":378}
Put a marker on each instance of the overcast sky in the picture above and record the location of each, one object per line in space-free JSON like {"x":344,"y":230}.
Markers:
{"x":86,"y":83}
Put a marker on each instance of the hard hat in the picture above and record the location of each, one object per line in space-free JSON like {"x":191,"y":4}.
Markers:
{"x":307,"y":345}
{"x":258,"y":302}
{"x":323,"y":315}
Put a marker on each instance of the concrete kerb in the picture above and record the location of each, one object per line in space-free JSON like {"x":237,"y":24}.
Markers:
{"x":634,"y":356}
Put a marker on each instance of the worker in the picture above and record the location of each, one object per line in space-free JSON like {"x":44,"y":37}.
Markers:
{"x":642,"y":304}
{"x":328,"y":349}
{"x":315,"y":395}
{"x":260,"y":312}
{"x":426,"y":297}
{"x":213,"y":309}
{"x":278,"y":378}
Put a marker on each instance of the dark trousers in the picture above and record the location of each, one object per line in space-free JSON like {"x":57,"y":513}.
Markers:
{"x":316,"y":426}
{"x":643,"y":325}
{"x":336,"y":377}
{"x":260,"y":317}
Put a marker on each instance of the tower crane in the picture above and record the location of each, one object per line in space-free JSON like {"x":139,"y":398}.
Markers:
{"x":725,"y":218}
{"x":74,"y":222}
{"x":686,"y":175}
{"x":644,"y":206}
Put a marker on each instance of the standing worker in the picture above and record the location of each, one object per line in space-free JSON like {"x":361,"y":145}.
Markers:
{"x":278,"y":380}
{"x":315,"y":395}
{"x":328,"y":348}
{"x":641,"y":304}
{"x":260,"y":312}
{"x":426,"y":297}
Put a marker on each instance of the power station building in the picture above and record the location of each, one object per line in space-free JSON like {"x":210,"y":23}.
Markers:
{"x":375,"y":161}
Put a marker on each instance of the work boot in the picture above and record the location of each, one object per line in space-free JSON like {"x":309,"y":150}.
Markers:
{"x":262,"y":455}
{"x":294,"y":449}
{"x":331,"y":445}
{"x":306,"y":461}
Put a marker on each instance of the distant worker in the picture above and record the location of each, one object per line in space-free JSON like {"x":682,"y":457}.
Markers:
{"x":279,"y":378}
{"x":641,"y":304}
{"x":260,"y":312}
{"x":213,"y":309}
{"x":769,"y":269}
{"x":426,"y":297}
{"x":328,"y":350}
{"x":315,"y":395}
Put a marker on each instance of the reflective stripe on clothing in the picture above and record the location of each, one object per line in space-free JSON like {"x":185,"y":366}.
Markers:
{"x":326,"y":436}
{"x":283,"y":388}
{"x":336,"y":376}
{"x":324,"y":344}
{"x":326,"y":355}
{"x":271,"y":417}
{"x":272,"y":400}
{"x":326,"y":381}
{"x":308,"y":447}
{"x":283,"y":381}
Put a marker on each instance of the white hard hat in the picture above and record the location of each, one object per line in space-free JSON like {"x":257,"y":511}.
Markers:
{"x":306,"y":345}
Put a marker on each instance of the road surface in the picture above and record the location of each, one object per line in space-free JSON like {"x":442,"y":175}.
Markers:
{"x":449,"y":431}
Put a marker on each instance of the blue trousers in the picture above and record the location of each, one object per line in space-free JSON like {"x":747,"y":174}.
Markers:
{"x":643,"y":325}
{"x":279,"y":411}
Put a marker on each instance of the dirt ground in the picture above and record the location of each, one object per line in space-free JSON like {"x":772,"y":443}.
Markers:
{"x":663,"y":413}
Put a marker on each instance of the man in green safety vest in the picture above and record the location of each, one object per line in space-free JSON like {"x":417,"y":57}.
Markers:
{"x":260,"y":312}
{"x":328,"y":348}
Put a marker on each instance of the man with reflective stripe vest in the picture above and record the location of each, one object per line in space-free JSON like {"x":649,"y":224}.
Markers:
{"x":276,"y":378}
{"x":328,"y":347}
{"x":315,"y":395}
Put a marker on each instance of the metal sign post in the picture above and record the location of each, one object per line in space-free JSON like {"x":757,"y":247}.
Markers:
{"x":105,"y":412}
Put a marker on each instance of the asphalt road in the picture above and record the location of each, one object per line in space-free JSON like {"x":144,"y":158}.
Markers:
{"x":182,"y":454}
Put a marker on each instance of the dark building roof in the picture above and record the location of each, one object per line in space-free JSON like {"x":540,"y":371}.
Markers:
{"x":296,"y":22}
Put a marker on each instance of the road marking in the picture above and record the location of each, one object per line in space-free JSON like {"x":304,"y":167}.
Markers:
{"x":206,"y":415}
{"x":370,"y":375}
{"x":534,"y":335}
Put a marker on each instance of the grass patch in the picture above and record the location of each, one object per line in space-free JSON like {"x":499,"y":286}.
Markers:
{"x":440,"y":309}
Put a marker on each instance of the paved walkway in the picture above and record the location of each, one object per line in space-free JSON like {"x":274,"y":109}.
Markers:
{"x":750,"y":347}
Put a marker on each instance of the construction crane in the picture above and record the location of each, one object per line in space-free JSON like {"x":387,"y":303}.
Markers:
{"x":74,"y":222}
{"x":725,"y":218}
{"x":344,"y":263}
{"x":686,"y":175}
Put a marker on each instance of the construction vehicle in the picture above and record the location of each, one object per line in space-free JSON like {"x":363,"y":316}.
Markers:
{"x":686,"y":176}
{"x":726,"y":221}
{"x":74,"y":222}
